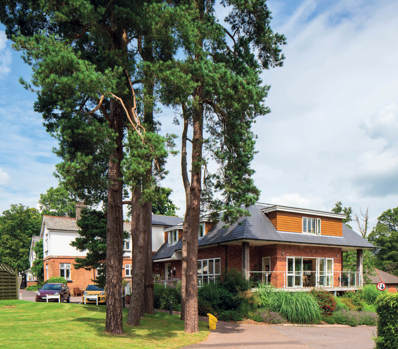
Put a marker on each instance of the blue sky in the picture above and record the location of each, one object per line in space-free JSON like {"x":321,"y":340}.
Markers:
{"x":331,"y":134}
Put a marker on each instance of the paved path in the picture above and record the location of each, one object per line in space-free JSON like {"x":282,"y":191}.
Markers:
{"x":31,"y":296}
{"x":242,"y":336}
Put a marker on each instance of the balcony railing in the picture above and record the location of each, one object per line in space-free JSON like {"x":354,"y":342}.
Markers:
{"x":306,"y":279}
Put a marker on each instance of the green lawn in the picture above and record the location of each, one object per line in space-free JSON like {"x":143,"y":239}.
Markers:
{"x":41,"y":325}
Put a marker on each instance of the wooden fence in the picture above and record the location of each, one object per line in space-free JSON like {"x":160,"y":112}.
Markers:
{"x":8,"y":282}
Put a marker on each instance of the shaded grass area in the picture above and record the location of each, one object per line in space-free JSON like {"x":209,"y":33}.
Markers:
{"x":40,"y":325}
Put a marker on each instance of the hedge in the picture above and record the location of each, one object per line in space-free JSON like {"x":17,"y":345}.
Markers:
{"x":387,"y":325}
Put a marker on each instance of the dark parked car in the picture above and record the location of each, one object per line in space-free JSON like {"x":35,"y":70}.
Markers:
{"x":53,"y":290}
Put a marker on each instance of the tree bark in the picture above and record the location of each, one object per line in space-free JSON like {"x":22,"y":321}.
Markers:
{"x":185,"y":180}
{"x":191,"y":319}
{"x":114,"y":229}
{"x":147,"y":55}
{"x":148,"y":296}
{"x":138,"y":270}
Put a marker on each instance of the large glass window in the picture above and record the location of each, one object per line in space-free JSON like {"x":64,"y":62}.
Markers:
{"x":294,"y":271}
{"x":311,"y":225}
{"x":325,"y":272}
{"x":64,"y":271}
{"x":209,"y":270}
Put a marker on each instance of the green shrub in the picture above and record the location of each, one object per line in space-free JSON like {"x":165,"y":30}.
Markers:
{"x":356,"y":299}
{"x":167,"y":298}
{"x":370,"y":293}
{"x":325,"y":300}
{"x":226,"y":299}
{"x":387,"y":326}
{"x":340,"y":305}
{"x":298,"y":307}
{"x":351,"y":318}
{"x":233,"y":281}
{"x":352,"y":303}
{"x":266,"y":297}
{"x":32,"y":288}
{"x":271,"y":317}
{"x":56,"y":280}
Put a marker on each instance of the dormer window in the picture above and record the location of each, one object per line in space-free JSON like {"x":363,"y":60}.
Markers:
{"x":172,"y":237}
{"x":312,"y":225}
{"x":201,"y":230}
{"x":126,"y":245}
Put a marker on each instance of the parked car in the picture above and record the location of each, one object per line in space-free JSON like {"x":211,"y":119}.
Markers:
{"x":53,"y":289}
{"x":92,"y":292}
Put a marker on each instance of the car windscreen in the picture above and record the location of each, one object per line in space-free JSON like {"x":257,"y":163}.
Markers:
{"x":94,"y":288}
{"x":52,"y":287}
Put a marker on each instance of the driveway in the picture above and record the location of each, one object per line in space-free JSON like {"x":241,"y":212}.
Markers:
{"x":231,"y":336}
{"x":31,"y":296}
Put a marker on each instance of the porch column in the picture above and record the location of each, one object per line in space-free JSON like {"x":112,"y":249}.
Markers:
{"x":245,"y":260}
{"x":360,"y":267}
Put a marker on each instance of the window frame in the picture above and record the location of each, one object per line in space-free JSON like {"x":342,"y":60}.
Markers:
{"x":311,"y":225}
{"x":66,"y":268}
{"x":126,"y":244}
{"x":202,"y":230}
{"x":205,"y":275}
{"x":127,"y":267}
{"x":172,"y":237}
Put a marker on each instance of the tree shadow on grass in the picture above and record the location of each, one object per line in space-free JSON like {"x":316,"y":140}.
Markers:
{"x":153,"y":327}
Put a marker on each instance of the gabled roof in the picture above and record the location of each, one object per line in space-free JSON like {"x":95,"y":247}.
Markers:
{"x":69,"y":224}
{"x":60,"y":223}
{"x":258,"y":227}
{"x":382,"y":276}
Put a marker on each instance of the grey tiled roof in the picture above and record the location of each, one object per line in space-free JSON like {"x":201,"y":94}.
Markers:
{"x":60,"y":223}
{"x":158,"y":219}
{"x":69,"y":224}
{"x":166,"y":251}
{"x":257,"y":226}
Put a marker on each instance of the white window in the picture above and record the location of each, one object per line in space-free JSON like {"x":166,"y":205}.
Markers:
{"x":172,"y":237}
{"x":126,"y":244}
{"x":294,"y":271}
{"x":311,"y":225}
{"x":201,"y":230}
{"x":127,"y":269}
{"x":46,"y":271}
{"x":64,"y":271}
{"x":209,"y":270}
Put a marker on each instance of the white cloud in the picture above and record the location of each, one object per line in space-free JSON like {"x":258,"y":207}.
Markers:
{"x":4,"y":177}
{"x":332,"y":131}
{"x":5,"y":55}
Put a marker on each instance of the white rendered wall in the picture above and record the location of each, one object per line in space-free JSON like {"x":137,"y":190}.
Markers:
{"x":157,"y":237}
{"x":59,"y":244}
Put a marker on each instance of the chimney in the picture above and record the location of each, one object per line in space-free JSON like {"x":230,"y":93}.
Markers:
{"x":79,"y":207}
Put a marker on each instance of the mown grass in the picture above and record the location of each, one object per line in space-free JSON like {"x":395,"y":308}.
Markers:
{"x":41,"y":325}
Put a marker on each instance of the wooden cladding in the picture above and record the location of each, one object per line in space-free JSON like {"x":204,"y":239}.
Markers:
{"x":292,"y":222}
{"x":8,"y":283}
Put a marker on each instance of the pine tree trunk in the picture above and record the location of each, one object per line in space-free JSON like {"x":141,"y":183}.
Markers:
{"x":148,"y":296}
{"x":149,"y":84}
{"x":138,"y":270}
{"x":114,"y":229}
{"x":185,"y":180}
{"x":191,"y":319}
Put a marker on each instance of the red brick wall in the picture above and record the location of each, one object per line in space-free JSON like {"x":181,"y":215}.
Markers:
{"x":278,"y":254}
{"x":80,"y":278}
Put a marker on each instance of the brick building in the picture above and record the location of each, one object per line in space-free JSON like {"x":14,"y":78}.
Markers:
{"x":59,"y":256}
{"x":287,"y":247}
